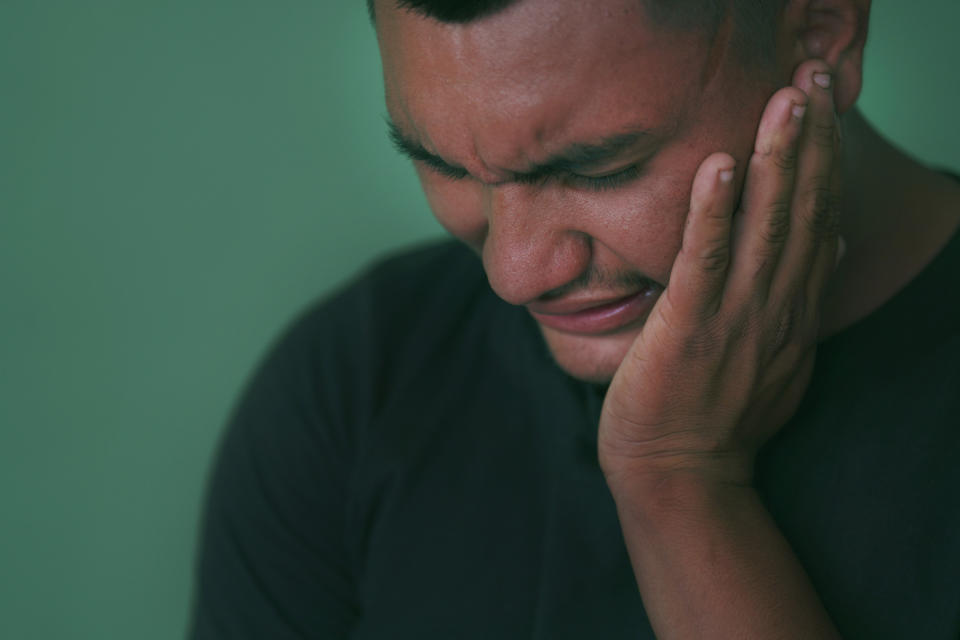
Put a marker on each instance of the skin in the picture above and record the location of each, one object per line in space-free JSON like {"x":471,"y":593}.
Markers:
{"x":747,"y":266}
{"x":722,"y":361}
{"x":495,"y":95}
{"x":494,"y":103}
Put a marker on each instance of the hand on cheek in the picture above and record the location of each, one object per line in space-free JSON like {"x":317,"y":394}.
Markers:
{"x":726,"y":354}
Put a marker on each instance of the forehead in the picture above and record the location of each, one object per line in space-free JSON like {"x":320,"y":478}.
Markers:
{"x":540,"y":73}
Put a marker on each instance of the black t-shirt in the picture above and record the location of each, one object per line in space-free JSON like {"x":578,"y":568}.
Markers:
{"x":409,"y":462}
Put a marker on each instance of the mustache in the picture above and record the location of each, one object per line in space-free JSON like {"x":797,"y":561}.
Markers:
{"x":602,"y":279}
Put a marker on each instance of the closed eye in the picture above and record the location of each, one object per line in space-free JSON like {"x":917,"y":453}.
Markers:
{"x":562,"y":167}
{"x":417,"y":153}
{"x":445,"y":170}
{"x":572,"y":180}
{"x":604,"y":183}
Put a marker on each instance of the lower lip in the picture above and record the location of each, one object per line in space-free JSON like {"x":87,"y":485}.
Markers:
{"x":603,"y":319}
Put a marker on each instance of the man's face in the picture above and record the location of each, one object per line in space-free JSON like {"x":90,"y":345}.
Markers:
{"x":497,"y":97}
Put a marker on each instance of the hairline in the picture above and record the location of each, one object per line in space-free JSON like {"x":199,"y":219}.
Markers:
{"x":754,"y":43}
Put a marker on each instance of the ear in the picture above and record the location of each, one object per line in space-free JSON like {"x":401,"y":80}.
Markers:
{"x":834,"y":31}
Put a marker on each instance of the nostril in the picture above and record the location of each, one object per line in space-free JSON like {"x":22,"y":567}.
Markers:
{"x":551,"y":295}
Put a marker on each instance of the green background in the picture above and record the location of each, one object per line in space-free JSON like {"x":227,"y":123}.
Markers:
{"x":177,"y":180}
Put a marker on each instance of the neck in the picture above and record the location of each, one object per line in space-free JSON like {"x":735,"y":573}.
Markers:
{"x":897,"y":215}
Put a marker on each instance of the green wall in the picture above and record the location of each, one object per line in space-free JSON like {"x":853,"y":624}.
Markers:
{"x":177,"y":179}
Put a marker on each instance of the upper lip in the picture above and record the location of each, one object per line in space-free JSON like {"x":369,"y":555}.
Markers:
{"x":574,"y":305}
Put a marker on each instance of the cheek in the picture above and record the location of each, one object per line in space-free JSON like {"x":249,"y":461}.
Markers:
{"x":643,"y":222}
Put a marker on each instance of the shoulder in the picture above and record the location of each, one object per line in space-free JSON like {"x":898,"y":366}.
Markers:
{"x":280,"y":492}
{"x":344,"y":351}
{"x":388,"y":298}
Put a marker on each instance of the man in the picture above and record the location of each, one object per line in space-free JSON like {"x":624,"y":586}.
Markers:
{"x":691,"y":371}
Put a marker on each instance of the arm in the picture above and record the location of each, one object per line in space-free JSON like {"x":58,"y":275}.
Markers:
{"x":711,"y":563}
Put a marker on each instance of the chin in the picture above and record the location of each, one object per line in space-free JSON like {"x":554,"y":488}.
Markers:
{"x":593,"y":359}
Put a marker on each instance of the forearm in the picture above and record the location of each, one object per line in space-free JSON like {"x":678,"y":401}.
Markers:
{"x":711,"y":563}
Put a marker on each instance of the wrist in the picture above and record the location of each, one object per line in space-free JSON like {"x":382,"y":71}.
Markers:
{"x":661,"y":506}
{"x":669,"y":479}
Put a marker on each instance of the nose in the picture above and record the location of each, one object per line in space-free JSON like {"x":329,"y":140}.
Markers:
{"x":533,"y":245}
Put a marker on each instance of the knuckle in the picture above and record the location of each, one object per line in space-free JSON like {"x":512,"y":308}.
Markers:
{"x":714,"y":257}
{"x":777,"y":224}
{"x":824,"y":134}
{"x":784,"y":332}
{"x":792,"y":332}
{"x":784,"y":159}
{"x":821,"y":218}
{"x":716,"y":215}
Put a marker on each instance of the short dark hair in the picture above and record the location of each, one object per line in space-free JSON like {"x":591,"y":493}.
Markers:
{"x":755,"y":19}
{"x":457,"y":11}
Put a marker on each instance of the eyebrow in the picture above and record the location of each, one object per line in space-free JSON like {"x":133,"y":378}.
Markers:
{"x":576,"y":157}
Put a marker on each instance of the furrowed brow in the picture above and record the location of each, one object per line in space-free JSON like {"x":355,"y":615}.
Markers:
{"x":576,"y":157}
{"x":580,"y":157}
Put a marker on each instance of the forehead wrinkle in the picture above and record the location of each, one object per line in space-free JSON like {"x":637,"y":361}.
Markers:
{"x":554,"y":94}
{"x":478,"y":158}
{"x":505,"y":141}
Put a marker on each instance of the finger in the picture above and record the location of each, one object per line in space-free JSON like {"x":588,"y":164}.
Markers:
{"x":809,"y":256}
{"x":696,"y":283}
{"x":827,"y":255}
{"x":763,"y":224}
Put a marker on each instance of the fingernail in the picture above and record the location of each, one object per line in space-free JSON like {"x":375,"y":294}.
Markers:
{"x":798,"y":110}
{"x":822,"y":79}
{"x":726,"y":175}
